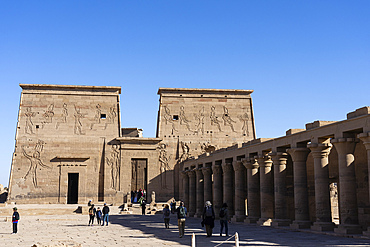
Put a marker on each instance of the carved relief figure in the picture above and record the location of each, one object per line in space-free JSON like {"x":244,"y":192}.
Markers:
{"x":227,"y":119}
{"x":214,"y":119}
{"x":183,"y":119}
{"x":78,"y":125}
{"x":200,"y":121}
{"x":207,"y":148}
{"x":114,"y":163}
{"x":164,"y":159}
{"x":48,"y":115}
{"x":29,"y":114}
{"x":35,"y":161}
{"x":244,"y":118}
{"x":63,"y":119}
{"x":111,"y":116}
{"x":185,"y":152}
{"x":168,"y":117}
{"x":97,"y":116}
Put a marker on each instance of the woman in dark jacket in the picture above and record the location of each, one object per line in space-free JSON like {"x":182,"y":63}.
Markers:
{"x":208,"y":218}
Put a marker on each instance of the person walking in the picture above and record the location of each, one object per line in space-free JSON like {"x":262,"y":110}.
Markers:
{"x":98,"y":216}
{"x":181,"y":217}
{"x":224,"y":219}
{"x":173,"y":206}
{"x":92,"y":212}
{"x":105,"y":214}
{"x":208,"y":218}
{"x":166,"y":216}
{"x":143,"y":206}
{"x":15,"y":219}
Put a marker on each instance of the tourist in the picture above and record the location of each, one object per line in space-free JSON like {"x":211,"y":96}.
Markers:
{"x":166,"y":216}
{"x":173,"y":206}
{"x":15,"y":219}
{"x":208,"y":217}
{"x":89,"y":203}
{"x":105,"y":214}
{"x":98,"y":216}
{"x":181,"y":217}
{"x":224,"y":218}
{"x":92,"y":212}
{"x":143,"y":206}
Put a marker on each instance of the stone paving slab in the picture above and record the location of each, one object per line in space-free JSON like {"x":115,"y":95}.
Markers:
{"x":148,"y":230}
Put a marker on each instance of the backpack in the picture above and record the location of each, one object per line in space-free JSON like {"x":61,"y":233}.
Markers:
{"x":182,"y":212}
{"x":167,"y":213}
{"x":91,"y":211}
{"x":209,"y":212}
{"x":222,"y":213}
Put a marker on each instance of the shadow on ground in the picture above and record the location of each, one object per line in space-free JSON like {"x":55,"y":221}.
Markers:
{"x":250,"y":235}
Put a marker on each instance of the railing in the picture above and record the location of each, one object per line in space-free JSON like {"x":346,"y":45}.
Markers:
{"x":236,"y":235}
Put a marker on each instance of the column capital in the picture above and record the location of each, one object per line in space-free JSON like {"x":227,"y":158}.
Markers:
{"x":251,"y":163}
{"x":227,"y":167}
{"x":264,"y":160}
{"x":278,"y":158}
{"x":238,"y":165}
{"x":198,"y":171}
{"x":184,"y":174}
{"x":365,"y":138}
{"x":206,"y":171}
{"x":191,"y":173}
{"x":216,"y":169}
{"x":344,"y":145}
{"x":320,"y":150}
{"x":298,"y":154}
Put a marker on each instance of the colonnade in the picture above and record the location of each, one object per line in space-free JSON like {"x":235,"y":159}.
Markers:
{"x":255,"y":186}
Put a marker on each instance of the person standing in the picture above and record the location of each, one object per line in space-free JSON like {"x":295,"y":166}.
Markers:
{"x":173,"y":206}
{"x":105,"y":214}
{"x":224,"y":219}
{"x":98,"y":216}
{"x":166,"y":216}
{"x":92,"y":212}
{"x":15,"y":219}
{"x":208,"y":218}
{"x":181,"y":217}
{"x":143,"y":206}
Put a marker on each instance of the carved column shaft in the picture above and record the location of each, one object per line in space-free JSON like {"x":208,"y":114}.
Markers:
{"x":239,"y":170}
{"x":365,"y":137}
{"x":266,"y":189}
{"x":217,"y":188}
{"x":299,"y":157}
{"x":207,"y":177}
{"x":253,"y":181}
{"x":200,"y":192}
{"x":192,"y":192}
{"x":228,"y":185}
{"x":348,"y":211}
{"x":185,"y":187}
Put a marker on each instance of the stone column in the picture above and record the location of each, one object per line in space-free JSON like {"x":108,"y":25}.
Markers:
{"x":192,"y":193}
{"x":266,"y":190}
{"x":348,"y":209}
{"x":200,"y":193}
{"x":301,"y":211}
{"x":207,"y":177}
{"x":185,"y":188}
{"x":254,"y":210}
{"x":320,"y":153}
{"x":365,"y":138}
{"x":281,"y":214}
{"x":239,"y":170}
{"x":217,"y":188}
{"x":227,"y":172}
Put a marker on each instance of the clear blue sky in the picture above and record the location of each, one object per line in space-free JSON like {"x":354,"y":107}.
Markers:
{"x":305,"y":60}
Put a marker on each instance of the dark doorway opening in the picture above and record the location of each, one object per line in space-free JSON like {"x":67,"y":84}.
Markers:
{"x":72,"y":197}
{"x":139,"y":174}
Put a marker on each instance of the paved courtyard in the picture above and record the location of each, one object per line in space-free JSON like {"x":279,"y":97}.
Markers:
{"x":148,"y":230}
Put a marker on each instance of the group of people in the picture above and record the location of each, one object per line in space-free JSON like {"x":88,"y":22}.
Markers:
{"x":208,"y":217}
{"x":102,"y":216}
{"x":136,"y":195}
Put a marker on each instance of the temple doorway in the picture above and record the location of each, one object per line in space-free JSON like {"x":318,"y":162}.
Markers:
{"x":139,"y":174}
{"x":72,"y":196}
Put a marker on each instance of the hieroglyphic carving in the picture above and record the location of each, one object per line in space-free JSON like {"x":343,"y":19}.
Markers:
{"x":200,"y":121}
{"x":111,"y":116}
{"x":227,"y":119}
{"x":78,"y":125}
{"x":35,"y":161}
{"x":183,"y":118}
{"x":29,"y":114}
{"x":207,"y":147}
{"x":114,"y":163}
{"x":48,"y":115}
{"x":63,"y":119}
{"x":97,"y":116}
{"x":164,"y":159}
{"x":214,"y":119}
{"x":244,"y":118}
{"x":168,"y":117}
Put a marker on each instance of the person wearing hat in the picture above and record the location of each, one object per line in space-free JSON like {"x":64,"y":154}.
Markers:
{"x":208,"y":217}
{"x":15,"y":219}
{"x":105,"y":214}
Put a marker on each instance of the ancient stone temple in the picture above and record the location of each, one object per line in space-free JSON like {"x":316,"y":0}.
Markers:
{"x":70,"y":147}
